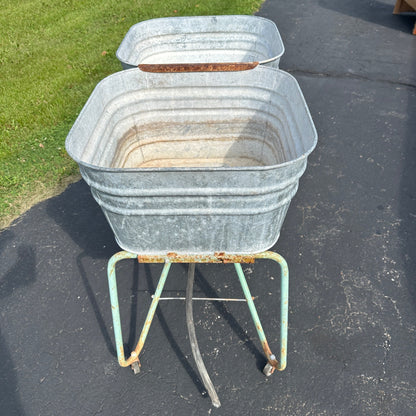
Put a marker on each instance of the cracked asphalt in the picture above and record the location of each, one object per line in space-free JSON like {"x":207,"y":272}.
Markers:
{"x":349,"y":240}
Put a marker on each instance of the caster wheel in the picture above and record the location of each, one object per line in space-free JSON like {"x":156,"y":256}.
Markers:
{"x":135,"y":367}
{"x":268,"y":370}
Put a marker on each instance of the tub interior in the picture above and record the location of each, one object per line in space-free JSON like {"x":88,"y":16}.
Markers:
{"x":231,"y":144}
{"x":235,"y":122}
{"x":201,"y":39}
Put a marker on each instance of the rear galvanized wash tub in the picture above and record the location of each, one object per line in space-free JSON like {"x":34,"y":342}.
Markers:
{"x":201,"y":39}
{"x":194,"y":162}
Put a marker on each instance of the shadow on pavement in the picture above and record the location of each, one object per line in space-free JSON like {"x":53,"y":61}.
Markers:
{"x":210,"y":292}
{"x":408,"y":191}
{"x":173,"y":344}
{"x":82,"y":219}
{"x":372,"y":11}
{"x":95,"y":306}
{"x":77,"y":213}
{"x":21,"y":274}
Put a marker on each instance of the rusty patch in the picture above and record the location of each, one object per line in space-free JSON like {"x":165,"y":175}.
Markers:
{"x":268,"y":353}
{"x":218,"y":257}
{"x":122,"y":360}
{"x":271,"y":357}
{"x":199,"y":67}
{"x":150,"y":259}
{"x":233,"y":258}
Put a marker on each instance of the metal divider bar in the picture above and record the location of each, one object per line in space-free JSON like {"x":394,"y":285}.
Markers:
{"x":199,"y":67}
{"x":207,"y":299}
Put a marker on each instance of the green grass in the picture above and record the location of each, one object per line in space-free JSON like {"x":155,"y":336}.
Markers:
{"x":52,"y":54}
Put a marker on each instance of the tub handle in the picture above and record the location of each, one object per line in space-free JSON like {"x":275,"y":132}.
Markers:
{"x":199,"y":67}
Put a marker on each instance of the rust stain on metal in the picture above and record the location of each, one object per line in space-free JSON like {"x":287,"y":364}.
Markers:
{"x":122,"y":361}
{"x":147,"y":324}
{"x":218,"y":257}
{"x":120,"y":156}
{"x":150,"y":259}
{"x":145,"y":329}
{"x":233,"y":258}
{"x":199,"y":67}
{"x":267,"y":351}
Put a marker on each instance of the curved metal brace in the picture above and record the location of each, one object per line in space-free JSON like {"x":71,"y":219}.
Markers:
{"x":112,"y":283}
{"x":274,"y":364}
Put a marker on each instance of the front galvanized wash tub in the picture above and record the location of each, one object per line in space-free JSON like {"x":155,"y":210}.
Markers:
{"x":194,"y":162}
{"x":201,"y":39}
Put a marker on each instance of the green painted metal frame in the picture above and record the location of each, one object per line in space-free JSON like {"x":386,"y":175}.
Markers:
{"x":168,"y":259}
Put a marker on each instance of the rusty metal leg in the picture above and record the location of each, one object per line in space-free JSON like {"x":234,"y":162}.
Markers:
{"x":115,"y":310}
{"x":284,"y":303}
{"x":273,"y":363}
{"x":133,"y":360}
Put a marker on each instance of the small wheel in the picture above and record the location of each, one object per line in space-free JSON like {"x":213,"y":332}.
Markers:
{"x":135,"y":367}
{"x":268,"y":370}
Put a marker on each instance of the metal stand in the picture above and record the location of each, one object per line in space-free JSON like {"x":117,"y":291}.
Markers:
{"x":272,"y":362}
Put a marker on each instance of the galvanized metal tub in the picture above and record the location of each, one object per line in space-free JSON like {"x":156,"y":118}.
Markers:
{"x":201,"y":39}
{"x":194,"y":162}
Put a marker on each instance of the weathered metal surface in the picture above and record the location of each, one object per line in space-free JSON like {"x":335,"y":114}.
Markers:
{"x":198,"y":67}
{"x":202,"y":39}
{"x":133,"y":360}
{"x":205,"y":299}
{"x":112,"y":284}
{"x":284,"y":304}
{"x":151,"y":312}
{"x":196,"y":258}
{"x":194,"y":162}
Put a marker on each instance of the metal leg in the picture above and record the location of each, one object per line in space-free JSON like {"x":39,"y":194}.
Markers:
{"x":273,"y":363}
{"x":133,"y":360}
{"x":151,"y":313}
{"x":115,"y":310}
